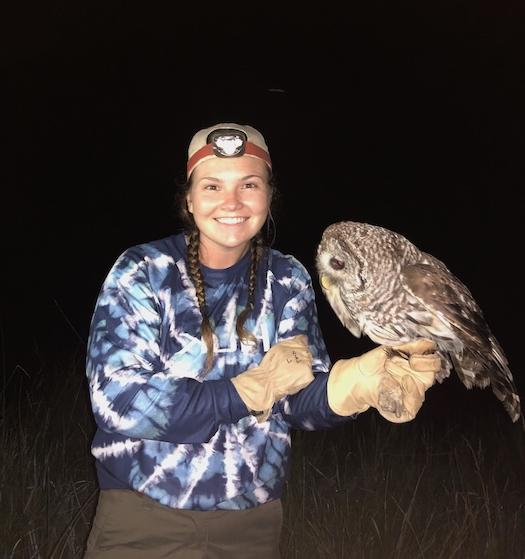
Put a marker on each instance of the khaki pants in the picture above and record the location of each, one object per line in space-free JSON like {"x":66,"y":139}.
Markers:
{"x":128,"y":525}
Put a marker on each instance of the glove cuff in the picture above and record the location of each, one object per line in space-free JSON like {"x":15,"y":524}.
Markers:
{"x":340,"y":388}
{"x":254,"y":389}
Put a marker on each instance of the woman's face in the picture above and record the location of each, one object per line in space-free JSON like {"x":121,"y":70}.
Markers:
{"x":229,"y":199}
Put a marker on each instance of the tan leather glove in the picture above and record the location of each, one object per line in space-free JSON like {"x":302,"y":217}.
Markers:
{"x":285,"y":369}
{"x":392,"y":380}
{"x":290,"y":365}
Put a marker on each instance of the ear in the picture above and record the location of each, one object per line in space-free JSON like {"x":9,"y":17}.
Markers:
{"x":189,"y":204}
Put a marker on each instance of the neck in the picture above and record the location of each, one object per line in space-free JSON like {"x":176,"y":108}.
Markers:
{"x":221,"y":259}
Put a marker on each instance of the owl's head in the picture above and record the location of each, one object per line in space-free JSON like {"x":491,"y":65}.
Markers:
{"x":355,"y":261}
{"x":339,"y":260}
{"x":351,"y":254}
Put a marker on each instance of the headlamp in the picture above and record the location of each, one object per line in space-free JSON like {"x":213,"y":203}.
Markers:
{"x":226,"y":140}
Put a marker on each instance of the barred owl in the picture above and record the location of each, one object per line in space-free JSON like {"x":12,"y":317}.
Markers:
{"x":381,"y":285}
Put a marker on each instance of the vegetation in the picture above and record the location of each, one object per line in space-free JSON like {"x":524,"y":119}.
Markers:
{"x":452,"y":488}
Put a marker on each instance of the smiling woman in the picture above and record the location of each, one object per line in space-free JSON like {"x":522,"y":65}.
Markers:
{"x":204,"y":352}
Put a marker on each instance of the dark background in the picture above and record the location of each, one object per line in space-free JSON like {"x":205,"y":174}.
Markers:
{"x":406,"y":115}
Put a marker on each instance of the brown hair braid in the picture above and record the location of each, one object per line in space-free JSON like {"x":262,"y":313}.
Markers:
{"x":198,"y":282}
{"x":257,"y":248}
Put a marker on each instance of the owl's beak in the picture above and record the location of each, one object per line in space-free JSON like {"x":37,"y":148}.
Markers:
{"x":325,"y":281}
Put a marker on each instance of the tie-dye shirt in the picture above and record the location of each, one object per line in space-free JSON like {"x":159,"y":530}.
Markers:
{"x":166,"y":429}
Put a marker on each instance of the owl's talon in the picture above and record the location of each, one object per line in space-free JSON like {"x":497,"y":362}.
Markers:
{"x":390,"y":396}
{"x":393,"y":352}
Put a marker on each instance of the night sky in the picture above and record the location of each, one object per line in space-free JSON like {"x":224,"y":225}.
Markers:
{"x":408,"y":117}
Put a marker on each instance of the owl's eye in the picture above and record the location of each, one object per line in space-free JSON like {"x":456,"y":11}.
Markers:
{"x":337,"y":264}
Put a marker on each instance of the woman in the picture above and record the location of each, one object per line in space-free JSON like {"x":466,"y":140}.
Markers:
{"x":204,"y":351}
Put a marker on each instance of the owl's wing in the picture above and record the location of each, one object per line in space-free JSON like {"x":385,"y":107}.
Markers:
{"x":479,"y":360}
{"x":450,"y":307}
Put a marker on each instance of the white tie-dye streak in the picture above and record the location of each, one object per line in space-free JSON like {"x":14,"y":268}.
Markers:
{"x":198,"y":470}
{"x":125,"y":377}
{"x":165,"y":299}
{"x":169,"y":463}
{"x":102,"y":406}
{"x":249,"y":453}
{"x":187,"y":363}
{"x":231,"y":465}
{"x":286,"y":281}
{"x":308,"y":425}
{"x":263,"y":325}
{"x":230,"y":314}
{"x":114,"y":450}
{"x":161,"y":261}
{"x":128,"y":278}
{"x":149,"y":346}
{"x":283,"y":436}
{"x":186,"y":281}
{"x":261,"y":495}
{"x":286,"y":325}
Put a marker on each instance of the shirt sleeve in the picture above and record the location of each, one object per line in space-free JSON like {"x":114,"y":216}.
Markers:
{"x":308,"y":410}
{"x":130,"y":392}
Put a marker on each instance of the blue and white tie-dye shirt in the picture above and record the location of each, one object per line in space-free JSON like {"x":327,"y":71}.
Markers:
{"x":166,"y":429}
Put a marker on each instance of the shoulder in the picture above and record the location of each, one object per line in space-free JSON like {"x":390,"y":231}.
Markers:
{"x":153,"y":259}
{"x":157,"y":253}
{"x":289,"y":271}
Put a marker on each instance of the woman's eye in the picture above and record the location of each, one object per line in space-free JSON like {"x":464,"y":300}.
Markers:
{"x":250,"y":185}
{"x":210,"y":187}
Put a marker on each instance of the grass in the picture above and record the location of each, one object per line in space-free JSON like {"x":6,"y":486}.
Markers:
{"x":376,"y":490}
{"x":47,"y":483}
{"x":369,"y":489}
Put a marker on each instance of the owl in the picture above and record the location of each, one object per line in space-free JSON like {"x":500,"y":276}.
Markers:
{"x":381,"y":285}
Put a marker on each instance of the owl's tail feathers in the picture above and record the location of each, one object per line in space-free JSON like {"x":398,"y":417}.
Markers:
{"x":481,"y":369}
{"x":446,"y":366}
{"x":506,"y":393}
{"x":502,"y":383}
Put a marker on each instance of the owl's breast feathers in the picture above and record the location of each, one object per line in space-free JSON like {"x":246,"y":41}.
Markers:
{"x":386,"y":310}
{"x":342,"y":305}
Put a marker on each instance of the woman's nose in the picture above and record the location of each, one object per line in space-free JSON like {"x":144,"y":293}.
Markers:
{"x":231,"y":200}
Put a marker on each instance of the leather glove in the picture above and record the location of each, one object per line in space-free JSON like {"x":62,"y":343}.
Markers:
{"x":391,"y":379}
{"x":285,"y":369}
{"x":290,"y":365}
